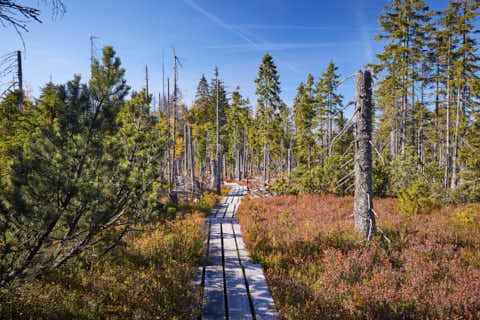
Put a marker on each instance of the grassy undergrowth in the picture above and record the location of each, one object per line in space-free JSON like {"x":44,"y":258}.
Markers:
{"x":423,"y":266}
{"x":147,"y":277}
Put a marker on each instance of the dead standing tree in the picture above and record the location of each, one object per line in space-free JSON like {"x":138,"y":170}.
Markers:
{"x":218,"y":167}
{"x":363,"y":205}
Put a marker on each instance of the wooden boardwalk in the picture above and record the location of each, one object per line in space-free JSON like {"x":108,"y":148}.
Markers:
{"x":233,"y":287}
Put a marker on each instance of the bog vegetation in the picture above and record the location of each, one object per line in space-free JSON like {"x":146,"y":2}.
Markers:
{"x":91,"y":174}
{"x":423,"y":266}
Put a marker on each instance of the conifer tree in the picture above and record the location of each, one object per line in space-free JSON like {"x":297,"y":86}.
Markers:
{"x":304,"y":115}
{"x":328,"y":100}
{"x":85,"y":179}
{"x":405,"y":26}
{"x":268,"y":104}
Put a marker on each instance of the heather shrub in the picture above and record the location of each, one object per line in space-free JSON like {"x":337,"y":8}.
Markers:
{"x":417,"y":267}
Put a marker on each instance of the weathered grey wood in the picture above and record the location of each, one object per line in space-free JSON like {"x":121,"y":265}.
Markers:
{"x":215,"y":245}
{"x":226,"y":246}
{"x":213,"y":293}
{"x":237,"y":229}
{"x":229,"y":245}
{"x":237,"y":297}
{"x":242,"y":251}
{"x":363,"y":215}
{"x":213,"y":212}
{"x":262,"y":300}
{"x":221,"y":211}
{"x":229,"y":211}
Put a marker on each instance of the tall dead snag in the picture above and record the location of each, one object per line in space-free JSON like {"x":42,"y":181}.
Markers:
{"x":20,"y":80}
{"x":218,"y":168}
{"x":362,"y":211}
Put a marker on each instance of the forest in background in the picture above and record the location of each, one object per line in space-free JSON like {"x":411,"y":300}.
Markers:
{"x":87,"y":164}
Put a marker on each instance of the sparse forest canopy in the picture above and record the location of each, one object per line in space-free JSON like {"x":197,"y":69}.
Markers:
{"x":88,"y":162}
{"x":17,"y":15}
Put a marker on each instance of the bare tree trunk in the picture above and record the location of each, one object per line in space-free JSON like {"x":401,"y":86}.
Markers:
{"x":265,"y":163}
{"x":174,"y":129}
{"x":192,"y":159}
{"x":20,"y":80}
{"x":437,"y":108}
{"x":218,"y":172}
{"x":453,"y":182}
{"x":363,"y":205}
{"x":185,"y":151}
{"x":447,"y":133}
{"x":169,"y":141}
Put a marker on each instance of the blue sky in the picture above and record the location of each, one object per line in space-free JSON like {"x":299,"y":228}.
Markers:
{"x":302,"y":36}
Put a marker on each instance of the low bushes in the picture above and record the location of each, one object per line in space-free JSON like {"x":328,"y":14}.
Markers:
{"x":418,"y":266}
{"x":146,"y":277}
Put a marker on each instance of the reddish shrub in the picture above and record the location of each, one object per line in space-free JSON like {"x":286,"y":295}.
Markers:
{"x":420,"y":266}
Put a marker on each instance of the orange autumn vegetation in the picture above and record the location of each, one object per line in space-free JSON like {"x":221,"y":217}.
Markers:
{"x":147,"y":277}
{"x":422,"y":266}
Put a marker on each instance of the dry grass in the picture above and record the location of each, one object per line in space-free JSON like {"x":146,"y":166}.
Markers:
{"x":318,"y":269}
{"x":147,"y":277}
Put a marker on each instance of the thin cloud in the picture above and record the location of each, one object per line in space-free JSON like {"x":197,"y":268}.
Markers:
{"x":288,"y":46}
{"x":219,"y":21}
{"x":364,"y":32}
{"x":279,"y":27}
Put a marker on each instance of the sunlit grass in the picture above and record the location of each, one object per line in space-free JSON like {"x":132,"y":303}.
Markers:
{"x":147,"y":277}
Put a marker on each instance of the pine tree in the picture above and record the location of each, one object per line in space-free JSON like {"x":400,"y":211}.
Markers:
{"x":329,"y":101}
{"x":85,"y":178}
{"x":465,"y":70}
{"x":405,"y":26}
{"x":304,"y":115}
{"x":268,"y":104}
{"x":237,"y":116}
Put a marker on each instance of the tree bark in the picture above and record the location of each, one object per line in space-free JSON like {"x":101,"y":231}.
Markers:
{"x":363,"y":205}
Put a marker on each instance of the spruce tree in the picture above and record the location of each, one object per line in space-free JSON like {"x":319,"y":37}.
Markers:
{"x":329,"y":101}
{"x":405,"y":26}
{"x":304,"y":115}
{"x":268,"y":104}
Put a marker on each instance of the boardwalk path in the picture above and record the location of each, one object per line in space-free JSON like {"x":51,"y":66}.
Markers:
{"x":233,"y":287}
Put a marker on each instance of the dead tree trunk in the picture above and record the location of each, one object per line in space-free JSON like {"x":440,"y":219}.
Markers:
{"x":192,"y":159}
{"x":20,"y":80}
{"x":363,"y":206}
{"x":185,"y":149}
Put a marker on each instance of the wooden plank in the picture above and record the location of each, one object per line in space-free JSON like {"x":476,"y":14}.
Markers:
{"x":262,"y":300}
{"x":215,"y":248}
{"x":237,"y":296}
{"x":229,"y":245}
{"x":213,"y":294}
{"x":229,"y":211}
{"x":213,"y":212}
{"x":221,"y":211}
{"x":242,"y":250}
